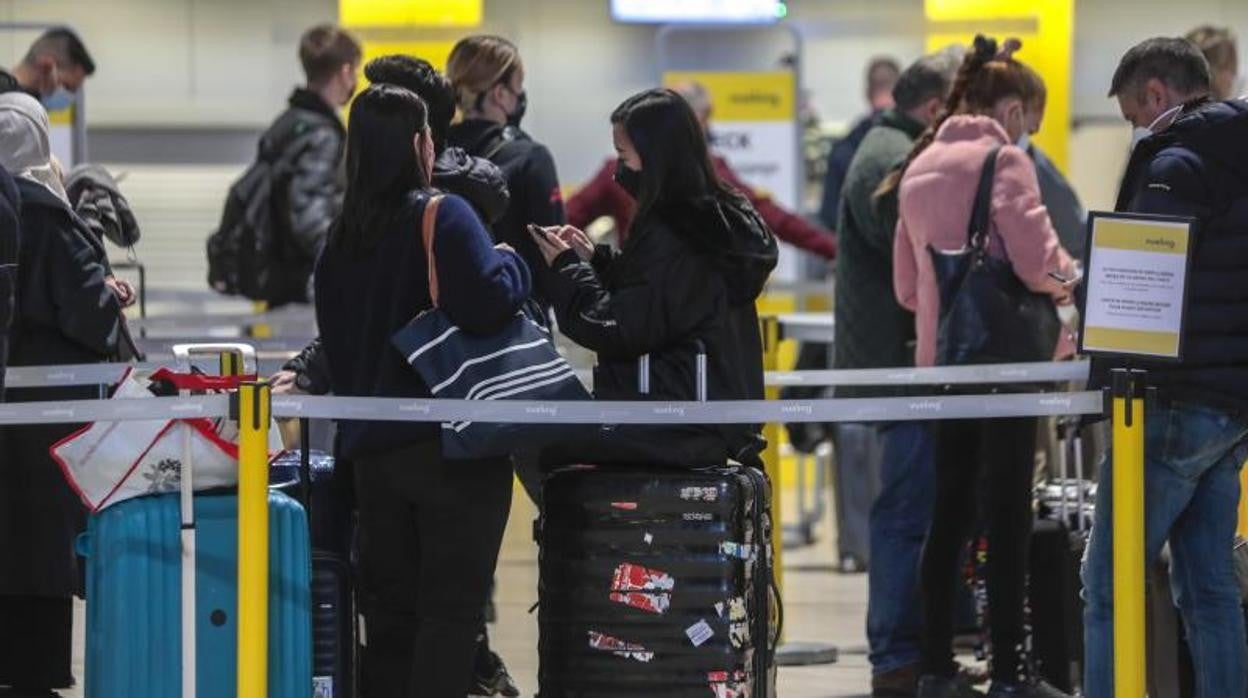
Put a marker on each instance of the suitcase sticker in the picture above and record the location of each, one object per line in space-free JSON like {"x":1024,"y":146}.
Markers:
{"x":642,"y":588}
{"x":618,"y":647}
{"x":729,"y":684}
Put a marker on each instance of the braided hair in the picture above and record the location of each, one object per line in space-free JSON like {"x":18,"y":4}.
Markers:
{"x":986,"y":76}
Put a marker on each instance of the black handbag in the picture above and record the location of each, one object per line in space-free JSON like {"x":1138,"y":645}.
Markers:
{"x":987,"y":314}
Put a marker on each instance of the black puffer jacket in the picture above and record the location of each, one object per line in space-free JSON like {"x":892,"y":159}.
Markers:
{"x":478,"y":181}
{"x":688,"y":272}
{"x":10,"y":239}
{"x":1199,"y":167}
{"x":532,"y":180}
{"x":65,"y":315}
{"x":305,"y":145}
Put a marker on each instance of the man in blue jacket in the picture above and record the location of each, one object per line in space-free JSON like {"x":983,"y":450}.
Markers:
{"x":1193,"y":163}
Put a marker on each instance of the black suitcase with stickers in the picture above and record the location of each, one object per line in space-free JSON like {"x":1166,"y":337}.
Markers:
{"x":657,"y":582}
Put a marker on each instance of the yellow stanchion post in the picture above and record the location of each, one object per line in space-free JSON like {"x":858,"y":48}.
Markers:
{"x":771,"y":456}
{"x":1128,"y":533}
{"x":254,"y":410}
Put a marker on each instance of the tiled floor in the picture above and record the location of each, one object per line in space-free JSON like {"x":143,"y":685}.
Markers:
{"x":820,"y":605}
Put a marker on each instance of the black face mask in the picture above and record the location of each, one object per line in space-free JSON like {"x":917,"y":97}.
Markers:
{"x":628,"y":178}
{"x":522,"y":105}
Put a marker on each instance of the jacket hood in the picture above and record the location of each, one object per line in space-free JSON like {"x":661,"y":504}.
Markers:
{"x":475,"y":135}
{"x":477,"y":180}
{"x":1216,"y":131}
{"x":750,"y":254}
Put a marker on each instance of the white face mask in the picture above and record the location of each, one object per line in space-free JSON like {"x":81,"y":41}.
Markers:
{"x":1139,"y":133}
{"x":1024,"y":141}
{"x":1162,"y":117}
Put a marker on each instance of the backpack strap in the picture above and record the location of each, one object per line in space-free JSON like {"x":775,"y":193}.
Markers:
{"x":428,"y":226}
{"x":505,"y":138}
{"x":981,"y":209}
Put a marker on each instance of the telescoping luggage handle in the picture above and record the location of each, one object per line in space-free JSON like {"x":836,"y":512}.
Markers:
{"x":244,"y":354}
{"x":1069,"y":440}
{"x":235,"y":359}
{"x":643,"y":371}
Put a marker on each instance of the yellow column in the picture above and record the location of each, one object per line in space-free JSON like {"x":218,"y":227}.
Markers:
{"x":1048,"y":50}
{"x":1128,"y":533}
{"x":1242,"y":529}
{"x":771,"y":456}
{"x":253,"y":539}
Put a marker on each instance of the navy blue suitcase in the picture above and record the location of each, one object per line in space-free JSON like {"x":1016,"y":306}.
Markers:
{"x":309,"y":477}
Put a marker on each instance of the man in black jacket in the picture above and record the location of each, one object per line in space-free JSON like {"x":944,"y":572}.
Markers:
{"x":307,"y":141}
{"x":1193,"y":163}
{"x":483,"y":185}
{"x":873,"y":331}
{"x":53,"y":70}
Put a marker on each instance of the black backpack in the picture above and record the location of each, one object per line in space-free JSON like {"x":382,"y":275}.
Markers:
{"x":247,"y":254}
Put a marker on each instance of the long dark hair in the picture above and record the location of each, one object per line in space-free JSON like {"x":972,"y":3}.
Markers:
{"x":984,"y":78}
{"x":383,"y":166}
{"x":675,"y":161}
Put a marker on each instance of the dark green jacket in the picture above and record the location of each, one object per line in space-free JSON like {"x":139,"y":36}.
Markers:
{"x":872,"y":330}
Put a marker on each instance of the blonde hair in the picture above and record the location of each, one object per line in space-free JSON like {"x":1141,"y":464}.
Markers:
{"x":478,"y":63}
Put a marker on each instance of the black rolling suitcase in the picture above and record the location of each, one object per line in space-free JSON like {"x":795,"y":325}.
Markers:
{"x":1057,"y":545}
{"x":308,"y":476}
{"x":657,"y":582}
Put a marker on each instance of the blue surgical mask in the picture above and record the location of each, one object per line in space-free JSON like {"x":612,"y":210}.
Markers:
{"x":59,"y":100}
{"x":1024,"y":141}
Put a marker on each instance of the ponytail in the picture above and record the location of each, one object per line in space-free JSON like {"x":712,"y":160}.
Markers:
{"x":983,"y":51}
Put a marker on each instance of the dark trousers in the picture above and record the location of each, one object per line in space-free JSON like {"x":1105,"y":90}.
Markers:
{"x":36,"y":642}
{"x":984,"y":472}
{"x":430,"y":532}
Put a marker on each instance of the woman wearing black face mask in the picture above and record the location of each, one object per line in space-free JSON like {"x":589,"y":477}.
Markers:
{"x":694,"y":262}
{"x":488,"y":77}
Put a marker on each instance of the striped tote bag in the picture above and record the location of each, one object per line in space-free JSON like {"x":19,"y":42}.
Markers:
{"x":519,"y":362}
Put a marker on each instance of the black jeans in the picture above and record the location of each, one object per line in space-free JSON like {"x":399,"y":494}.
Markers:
{"x":430,"y":532}
{"x":984,"y":471}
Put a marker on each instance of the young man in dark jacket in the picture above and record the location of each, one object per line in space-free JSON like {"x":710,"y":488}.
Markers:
{"x":483,"y":185}
{"x":53,"y":70}
{"x":882,"y":76}
{"x":1194,"y":163}
{"x":306,"y":141}
{"x":873,"y":331}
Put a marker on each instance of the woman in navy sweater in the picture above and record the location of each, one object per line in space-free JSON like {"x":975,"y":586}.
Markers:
{"x":430,"y":530}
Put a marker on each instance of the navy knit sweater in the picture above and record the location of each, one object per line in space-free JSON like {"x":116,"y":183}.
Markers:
{"x":363,"y":298}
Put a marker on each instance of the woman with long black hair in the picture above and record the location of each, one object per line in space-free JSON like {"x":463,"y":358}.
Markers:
{"x":693,"y":265}
{"x":430,"y":530}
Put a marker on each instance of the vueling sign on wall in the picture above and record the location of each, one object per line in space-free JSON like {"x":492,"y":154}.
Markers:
{"x":754,"y":126}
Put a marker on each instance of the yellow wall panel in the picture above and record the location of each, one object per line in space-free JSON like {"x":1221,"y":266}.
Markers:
{"x":407,"y":13}
{"x":1048,"y":50}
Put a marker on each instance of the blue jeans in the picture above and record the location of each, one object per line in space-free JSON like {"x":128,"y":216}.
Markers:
{"x":900,"y":518}
{"x":1192,"y":457}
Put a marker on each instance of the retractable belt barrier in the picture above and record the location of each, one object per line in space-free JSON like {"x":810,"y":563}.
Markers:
{"x":587,"y":412}
{"x":1045,"y":372}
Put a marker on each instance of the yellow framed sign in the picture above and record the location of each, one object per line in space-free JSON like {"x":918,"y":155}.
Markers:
{"x":1136,"y":285}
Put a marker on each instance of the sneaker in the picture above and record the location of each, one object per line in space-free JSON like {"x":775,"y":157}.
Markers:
{"x":490,"y":678}
{"x":932,"y":686}
{"x":1032,"y":689}
{"x":851,"y":564}
{"x":898,"y":683}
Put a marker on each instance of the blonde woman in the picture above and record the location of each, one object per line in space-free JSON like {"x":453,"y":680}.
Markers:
{"x":488,"y":77}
